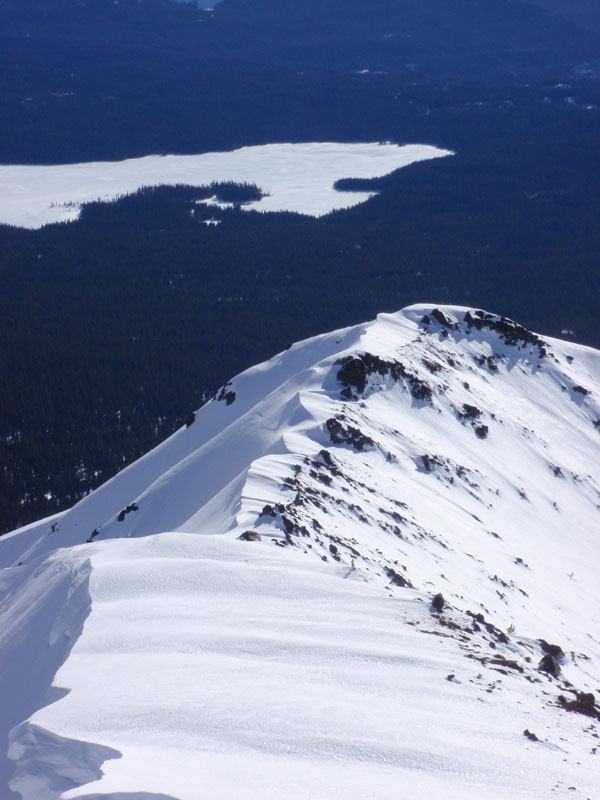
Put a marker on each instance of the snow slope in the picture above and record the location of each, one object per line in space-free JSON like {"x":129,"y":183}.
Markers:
{"x":294,"y":177}
{"x":366,"y":470}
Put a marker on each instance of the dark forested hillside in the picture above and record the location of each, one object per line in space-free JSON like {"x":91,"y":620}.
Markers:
{"x":113,"y":328}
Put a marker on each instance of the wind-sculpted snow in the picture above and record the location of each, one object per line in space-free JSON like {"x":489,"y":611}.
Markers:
{"x":370,"y":562}
{"x":293,"y":177}
{"x":43,"y":607}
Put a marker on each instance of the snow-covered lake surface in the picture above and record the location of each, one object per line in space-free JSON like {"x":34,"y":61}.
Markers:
{"x":295,"y":177}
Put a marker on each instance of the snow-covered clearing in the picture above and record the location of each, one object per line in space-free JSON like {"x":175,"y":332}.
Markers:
{"x":294,"y":177}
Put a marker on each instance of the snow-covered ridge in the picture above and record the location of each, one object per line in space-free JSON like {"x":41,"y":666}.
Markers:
{"x":269,"y":572}
{"x":293,"y":177}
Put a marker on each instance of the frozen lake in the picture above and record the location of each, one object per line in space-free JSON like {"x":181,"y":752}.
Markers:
{"x":295,"y":177}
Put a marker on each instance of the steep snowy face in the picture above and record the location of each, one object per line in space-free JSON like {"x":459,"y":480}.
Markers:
{"x":445,"y":448}
{"x":449,"y":428}
{"x":441,"y":456}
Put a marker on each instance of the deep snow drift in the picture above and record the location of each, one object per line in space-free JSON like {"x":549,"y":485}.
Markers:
{"x":247,"y":610}
{"x":293,"y":177}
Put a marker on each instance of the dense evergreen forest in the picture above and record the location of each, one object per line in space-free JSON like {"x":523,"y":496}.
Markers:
{"x":113,"y":328}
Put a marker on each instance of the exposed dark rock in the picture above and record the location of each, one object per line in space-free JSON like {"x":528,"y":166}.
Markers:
{"x":93,"y":535}
{"x":326,"y":456}
{"x":397,"y":579}
{"x":552,"y":649}
{"x":268,"y":511}
{"x":128,"y":510}
{"x":430,"y":462}
{"x":511,"y":332}
{"x":440,"y":317}
{"x":469,"y":412}
{"x":584,"y":703}
{"x":222,"y":392}
{"x":550,"y":665}
{"x":489,"y":360}
{"x":355,"y":370}
{"x":419,"y":389}
{"x":438,"y":602}
{"x":506,"y":662}
{"x":250,"y":536}
{"x":499,"y":635}
{"x":482,"y":431}
{"x":190,"y":419}
{"x":288,"y":524}
{"x":321,"y":476}
{"x":228,"y":396}
{"x":530,"y":735}
{"x":432,"y":366}
{"x":341,"y":434}
{"x":582,"y":390}
{"x":334,"y":552}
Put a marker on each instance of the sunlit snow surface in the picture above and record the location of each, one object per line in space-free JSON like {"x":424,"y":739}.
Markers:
{"x":195,"y":665}
{"x":296,"y":177}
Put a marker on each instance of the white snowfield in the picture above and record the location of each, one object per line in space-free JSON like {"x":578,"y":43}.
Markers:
{"x":294,"y":177}
{"x":433,"y":450}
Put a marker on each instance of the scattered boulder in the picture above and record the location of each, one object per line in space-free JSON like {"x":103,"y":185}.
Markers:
{"x":552,"y":649}
{"x":397,"y":579}
{"x":128,"y":510}
{"x":438,"y":603}
{"x":228,"y":396}
{"x":511,"y":332}
{"x":498,"y":634}
{"x":431,"y":462}
{"x":268,"y":511}
{"x":550,"y":665}
{"x":500,"y":660}
{"x":584,"y":703}
{"x":340,"y":434}
{"x":334,"y":552}
{"x":469,"y":412}
{"x":482,"y":431}
{"x":326,"y":456}
{"x":419,"y":389}
{"x":354,"y":371}
{"x":530,"y":735}
{"x":93,"y":535}
{"x":440,"y":317}
{"x":250,"y":536}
